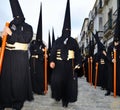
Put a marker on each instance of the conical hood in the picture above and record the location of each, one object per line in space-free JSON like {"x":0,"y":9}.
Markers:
{"x":91,"y":47}
{"x":49,"y":42}
{"x":39,"y":29}
{"x":100,"y":45}
{"x":117,"y":27}
{"x":53,"y":36}
{"x":96,"y":37}
{"x":16,"y":9}
{"x":67,"y":21}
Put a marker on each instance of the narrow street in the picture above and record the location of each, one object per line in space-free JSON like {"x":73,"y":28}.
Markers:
{"x":89,"y":98}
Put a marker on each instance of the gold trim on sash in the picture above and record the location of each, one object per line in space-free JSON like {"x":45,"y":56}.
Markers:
{"x":102,"y":61}
{"x":71,"y":54}
{"x":34,"y":56}
{"x":17,"y":46}
{"x":58,"y":58}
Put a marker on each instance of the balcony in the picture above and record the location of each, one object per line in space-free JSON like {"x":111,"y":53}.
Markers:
{"x":87,"y":50}
{"x":93,"y":15}
{"x":100,"y":34}
{"x":106,"y":2}
{"x":90,"y":26}
{"x":82,"y":34}
{"x":100,"y":6}
{"x":108,"y":28}
{"x":114,"y":17}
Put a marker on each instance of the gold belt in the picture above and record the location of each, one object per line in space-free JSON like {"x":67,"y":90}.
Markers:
{"x":17,"y":46}
{"x":102,"y":63}
{"x":59,"y":58}
{"x":34,"y":56}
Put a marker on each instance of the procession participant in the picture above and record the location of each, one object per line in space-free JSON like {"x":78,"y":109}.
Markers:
{"x":15,"y":80}
{"x":64,"y":59}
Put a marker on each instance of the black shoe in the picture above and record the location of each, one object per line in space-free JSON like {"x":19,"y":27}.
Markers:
{"x":107,"y":93}
{"x":57,"y":100}
{"x":17,"y":106}
{"x":65,"y":104}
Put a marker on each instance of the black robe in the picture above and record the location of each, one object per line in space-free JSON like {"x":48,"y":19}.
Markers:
{"x":102,"y":69}
{"x":64,"y":83}
{"x":110,"y":72}
{"x":86,"y":68}
{"x":49,"y":70}
{"x":37,"y":69}
{"x":94,"y":68}
{"x":15,"y":79}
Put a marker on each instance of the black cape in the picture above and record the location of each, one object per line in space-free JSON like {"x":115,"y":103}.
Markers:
{"x":64,"y":83}
{"x":111,"y":69}
{"x":37,"y":68}
{"x":15,"y":80}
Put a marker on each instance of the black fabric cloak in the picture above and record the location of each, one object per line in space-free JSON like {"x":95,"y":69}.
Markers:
{"x":111,"y":69}
{"x":86,"y":67}
{"x":37,"y":68}
{"x":102,"y":69}
{"x":15,"y":80}
{"x":64,"y":83}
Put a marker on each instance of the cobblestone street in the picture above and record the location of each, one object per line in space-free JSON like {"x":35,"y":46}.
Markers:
{"x":89,"y":98}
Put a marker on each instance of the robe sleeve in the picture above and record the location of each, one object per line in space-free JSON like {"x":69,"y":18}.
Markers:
{"x":22,"y":34}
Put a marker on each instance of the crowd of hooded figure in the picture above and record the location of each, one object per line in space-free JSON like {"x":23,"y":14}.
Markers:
{"x":23,"y":67}
{"x":102,"y":69}
{"x":63,"y":62}
{"x":99,"y":69}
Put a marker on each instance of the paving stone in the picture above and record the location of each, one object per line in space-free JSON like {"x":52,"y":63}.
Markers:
{"x":89,"y":98}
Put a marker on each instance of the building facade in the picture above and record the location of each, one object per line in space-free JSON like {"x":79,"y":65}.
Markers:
{"x":101,"y":18}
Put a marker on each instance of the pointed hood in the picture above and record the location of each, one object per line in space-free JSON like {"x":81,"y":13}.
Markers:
{"x":99,"y":44}
{"x":49,"y":42}
{"x":91,"y":47}
{"x":117,"y":27}
{"x":39,"y":29}
{"x":66,"y":31}
{"x":16,"y":9}
{"x":96,"y":37}
{"x":33,"y":46}
{"x":53,"y":36}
